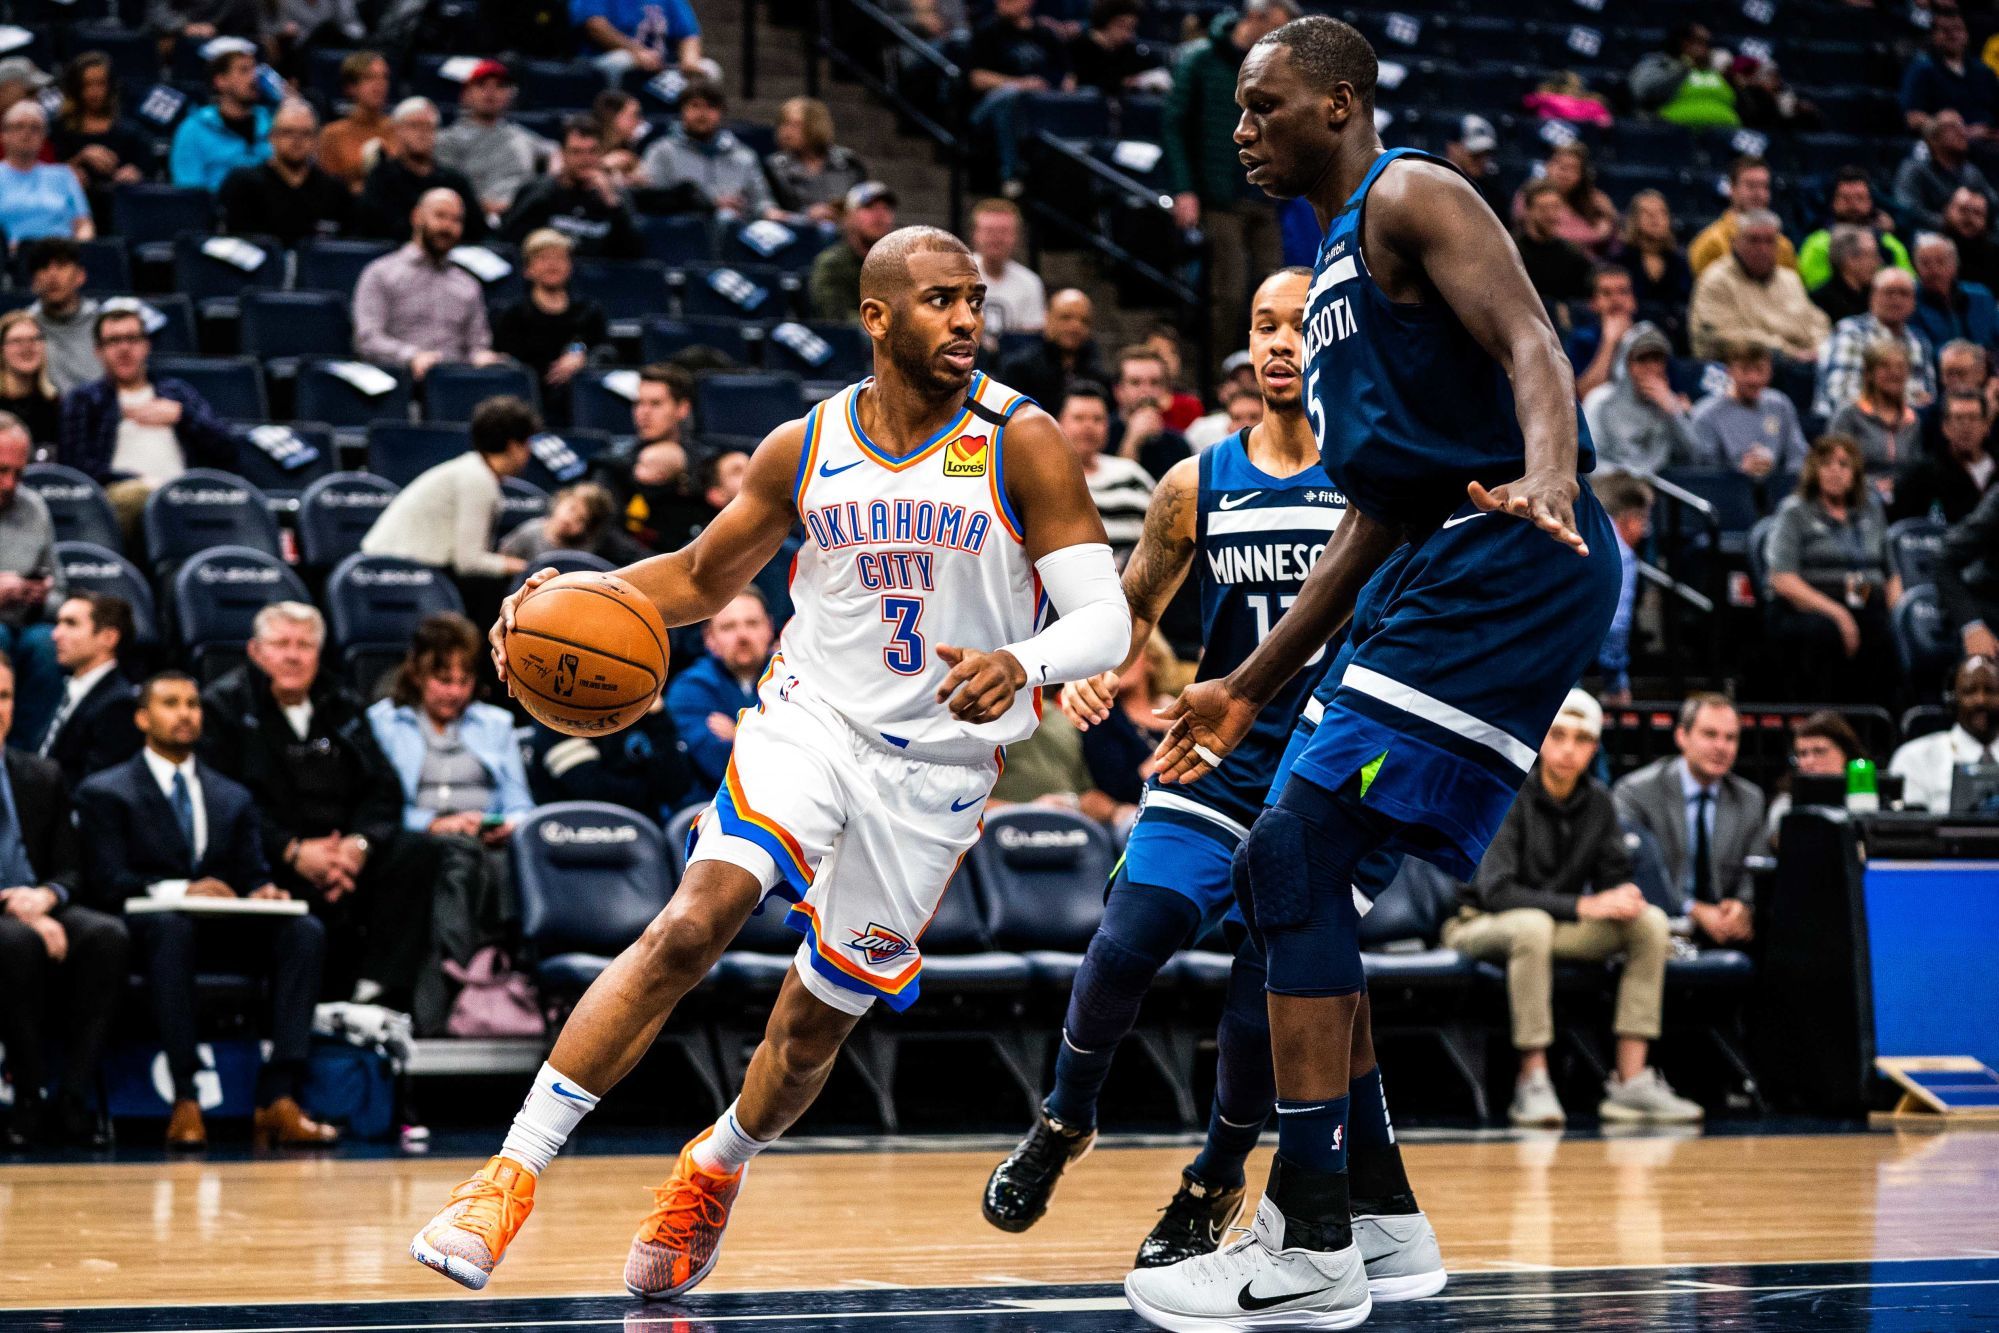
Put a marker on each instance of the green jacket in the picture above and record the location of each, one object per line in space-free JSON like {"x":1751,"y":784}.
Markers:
{"x":1201,"y":118}
{"x":1815,"y":256}
{"x":835,"y":284}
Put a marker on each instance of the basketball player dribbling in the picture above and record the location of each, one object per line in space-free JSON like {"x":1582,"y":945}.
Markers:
{"x":938,"y":506}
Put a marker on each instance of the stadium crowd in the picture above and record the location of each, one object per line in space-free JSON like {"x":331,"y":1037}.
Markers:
{"x":244,"y":251}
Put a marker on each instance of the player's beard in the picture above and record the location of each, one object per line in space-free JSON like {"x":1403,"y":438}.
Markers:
{"x":916,"y":361}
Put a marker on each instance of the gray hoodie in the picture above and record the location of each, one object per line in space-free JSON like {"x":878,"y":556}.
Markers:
{"x":499,"y":159}
{"x":1633,"y":434}
{"x":723,"y":165}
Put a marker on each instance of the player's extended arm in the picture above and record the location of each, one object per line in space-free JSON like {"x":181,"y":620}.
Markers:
{"x":701,"y":578}
{"x":1065,"y":540}
{"x":1430,"y":217}
{"x":1157,"y":568}
{"x":1211,"y":717}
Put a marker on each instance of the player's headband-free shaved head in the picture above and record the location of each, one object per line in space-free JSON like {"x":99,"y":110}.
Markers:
{"x":885,"y":272}
{"x":1325,"y":52}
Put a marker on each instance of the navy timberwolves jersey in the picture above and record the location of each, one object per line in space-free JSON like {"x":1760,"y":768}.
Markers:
{"x":1405,"y":404}
{"x":1255,"y":540}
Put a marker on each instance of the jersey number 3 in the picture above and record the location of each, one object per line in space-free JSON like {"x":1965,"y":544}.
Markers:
{"x":904,"y":653}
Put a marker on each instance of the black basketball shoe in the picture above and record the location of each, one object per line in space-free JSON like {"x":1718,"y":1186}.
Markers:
{"x":1192,"y":1224}
{"x":1017,"y":1194}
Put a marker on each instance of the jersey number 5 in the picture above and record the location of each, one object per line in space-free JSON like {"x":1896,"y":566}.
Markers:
{"x":1314,"y":410}
{"x":904,"y":653}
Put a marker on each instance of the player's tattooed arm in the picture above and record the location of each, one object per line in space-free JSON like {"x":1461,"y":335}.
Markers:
{"x":1157,"y":568}
{"x":1436,"y":232}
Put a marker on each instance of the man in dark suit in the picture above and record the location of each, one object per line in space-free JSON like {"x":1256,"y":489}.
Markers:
{"x":1705,"y":818}
{"x":161,"y":825}
{"x":92,"y":728}
{"x":1064,"y":355}
{"x":48,"y":940}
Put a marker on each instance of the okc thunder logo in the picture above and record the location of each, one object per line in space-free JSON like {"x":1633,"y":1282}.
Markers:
{"x":878,"y":944}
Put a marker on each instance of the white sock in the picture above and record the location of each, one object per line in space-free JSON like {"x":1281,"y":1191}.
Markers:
{"x":728,"y":1150}
{"x":555,"y":1105}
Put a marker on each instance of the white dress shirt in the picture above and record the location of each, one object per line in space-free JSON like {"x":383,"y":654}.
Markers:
{"x":1927,"y":763}
{"x":163,"y":773}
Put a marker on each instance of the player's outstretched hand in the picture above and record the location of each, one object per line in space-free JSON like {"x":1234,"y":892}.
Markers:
{"x":1209,"y":720}
{"x":980,"y":685}
{"x":497,"y":636}
{"x":1546,"y":500}
{"x":1089,"y":701}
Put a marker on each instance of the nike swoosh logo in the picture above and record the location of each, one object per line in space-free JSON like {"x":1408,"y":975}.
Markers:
{"x":1248,"y":1301}
{"x":1465,"y":518}
{"x":561,"y":1091}
{"x":828,"y":470}
{"x":959,"y":807}
{"x":1235,"y":501}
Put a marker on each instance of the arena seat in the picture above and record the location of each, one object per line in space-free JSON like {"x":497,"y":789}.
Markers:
{"x":77,"y":505}
{"x":329,"y":265}
{"x":150,"y":217}
{"x":451,"y":393}
{"x":629,"y":290}
{"x":203,"y":508}
{"x":374,"y":604}
{"x":795,"y":253}
{"x":168,"y":318}
{"x":216,"y":596}
{"x":1923,"y":638}
{"x":1043,"y":873}
{"x":677,"y":239}
{"x":567,"y":562}
{"x":595,"y":406}
{"x":587,"y":445}
{"x":324,"y":396}
{"x":678,"y":830}
{"x":660,"y":339}
{"x":290,"y":325}
{"x":335,"y":513}
{"x":233,"y":385}
{"x":1914,"y":545}
{"x":520,"y":501}
{"x":823,"y":352}
{"x":732,"y":291}
{"x":746,"y":403}
{"x":402,"y":452}
{"x":275,"y":480}
{"x":215,"y":285}
{"x":88,"y":567}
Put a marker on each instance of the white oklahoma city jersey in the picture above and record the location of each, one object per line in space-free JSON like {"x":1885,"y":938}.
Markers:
{"x":902,"y":554}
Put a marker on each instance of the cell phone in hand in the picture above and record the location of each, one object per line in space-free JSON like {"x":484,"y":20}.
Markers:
{"x":490,"y":820}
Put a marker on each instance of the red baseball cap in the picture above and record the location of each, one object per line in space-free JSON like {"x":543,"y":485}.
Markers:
{"x":490,"y":69}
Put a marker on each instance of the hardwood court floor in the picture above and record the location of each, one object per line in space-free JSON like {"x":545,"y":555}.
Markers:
{"x":334,"y":1229}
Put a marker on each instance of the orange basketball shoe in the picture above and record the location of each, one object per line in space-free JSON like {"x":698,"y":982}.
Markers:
{"x":681,"y":1238}
{"x":467,"y":1240}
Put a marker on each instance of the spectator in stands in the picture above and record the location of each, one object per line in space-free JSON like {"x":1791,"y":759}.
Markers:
{"x":1593,"y":348}
{"x":1108,"y":56}
{"x":1962,"y":367}
{"x":1048,"y":769}
{"x":1748,"y":192}
{"x":1879,"y":419}
{"x":31,"y":588}
{"x":47,"y":933}
{"x":1245,"y":410}
{"x":1891,"y":308}
{"x":1749,"y":295}
{"x":407,"y":170}
{"x":644,"y":35}
{"x":1559,"y":271}
{"x":1944,"y":78}
{"x":1211,"y":428}
{"x":1661,"y":281}
{"x":460,"y":770}
{"x":1680,"y":84}
{"x":835,"y":283}
{"x":1949,"y":487}
{"x":232,"y":131}
{"x":1925,"y":181}
{"x":1639,"y":422}
{"x":579,"y":199}
{"x":1144,"y":395}
{"x":700,"y":153}
{"x":1202,"y":172}
{"x":346,"y":145}
{"x":201,"y":20}
{"x":1065,"y":353}
{"x":37,"y":198}
{"x":1705,"y":818}
{"x":1119,"y":749}
{"x":1182,"y":407}
{"x":1830,"y":585}
{"x":132,"y":433}
{"x":91,"y":135}
{"x":1822,"y":745}
{"x":1628,"y":501}
{"x":1853,"y":258}
{"x":1967,"y":221}
{"x":287,"y":196}
{"x":810,"y":174}
{"x":444,"y":518}
{"x":1016,"y":301}
{"x":414,"y":308}
{"x":1928,"y":763}
{"x":1471,"y":151}
{"x":496,"y":155}
{"x":1948,"y":308}
{"x":652,"y":477}
{"x":1011,"y":53}
{"x":1121,"y":487}
{"x":164,"y":824}
{"x":1748,"y":426}
{"x":705,"y":699}
{"x":67,"y":317}
{"x":1765,"y":101}
{"x":549,"y":331}
{"x":643,"y":768}
{"x":92,"y":728}
{"x":622,"y":119}
{"x":1852,"y":206}
{"x":1587,"y":219}
{"x":581,"y":517}
{"x":26,"y":390}
{"x":1556,"y":884}
{"x":1967,"y":577}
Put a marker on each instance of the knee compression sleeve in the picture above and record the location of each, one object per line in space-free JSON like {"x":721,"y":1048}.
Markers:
{"x":1300,"y":857}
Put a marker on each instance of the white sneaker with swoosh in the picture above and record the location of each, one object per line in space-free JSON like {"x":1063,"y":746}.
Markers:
{"x":1255,"y":1283}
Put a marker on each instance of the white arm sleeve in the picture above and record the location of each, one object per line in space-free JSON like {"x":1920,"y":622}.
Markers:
{"x":1094,"y":631}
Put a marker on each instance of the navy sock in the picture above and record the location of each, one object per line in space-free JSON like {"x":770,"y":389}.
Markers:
{"x":1228,"y":1146}
{"x":1313,"y":1134}
{"x":1380,"y":1185}
{"x":1244,"y":1087}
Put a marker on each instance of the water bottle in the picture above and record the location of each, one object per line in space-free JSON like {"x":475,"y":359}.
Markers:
{"x":1862,"y":790}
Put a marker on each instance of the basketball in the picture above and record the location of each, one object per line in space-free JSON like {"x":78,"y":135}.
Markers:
{"x":587,"y":654}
